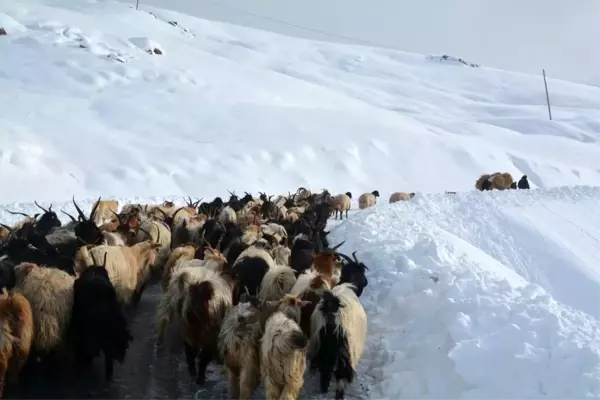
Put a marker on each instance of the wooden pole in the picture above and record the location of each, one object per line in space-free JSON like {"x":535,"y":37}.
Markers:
{"x":547,"y":96}
{"x":137,"y":5}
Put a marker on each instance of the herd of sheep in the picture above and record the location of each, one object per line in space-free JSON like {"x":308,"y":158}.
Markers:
{"x":253,"y":284}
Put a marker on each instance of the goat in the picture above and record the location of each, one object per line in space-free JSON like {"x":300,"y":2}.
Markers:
{"x":181,"y":253}
{"x":277,"y":282}
{"x":16,"y":335}
{"x":249,"y":270}
{"x":353,"y":271}
{"x":283,"y":351}
{"x":338,"y":335}
{"x":103,"y":210}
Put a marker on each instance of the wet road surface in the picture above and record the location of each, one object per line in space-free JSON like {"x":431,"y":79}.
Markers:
{"x":148,"y":372}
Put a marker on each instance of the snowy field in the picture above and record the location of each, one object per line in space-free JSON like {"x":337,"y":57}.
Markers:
{"x":473,"y":295}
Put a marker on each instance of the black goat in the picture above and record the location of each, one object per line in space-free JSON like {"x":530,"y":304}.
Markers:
{"x":303,"y":251}
{"x":353,"y":271}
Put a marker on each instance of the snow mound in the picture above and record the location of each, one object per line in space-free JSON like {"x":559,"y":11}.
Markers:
{"x":452,"y":60}
{"x":454,"y":310}
{"x":86,"y":111}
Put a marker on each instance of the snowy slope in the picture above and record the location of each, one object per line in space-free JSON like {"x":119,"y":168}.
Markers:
{"x":227,"y":106}
{"x":559,"y":35}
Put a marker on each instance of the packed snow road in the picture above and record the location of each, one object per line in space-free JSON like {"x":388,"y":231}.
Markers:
{"x":149,"y":372}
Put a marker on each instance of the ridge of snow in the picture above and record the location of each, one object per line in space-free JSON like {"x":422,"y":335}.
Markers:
{"x":453,"y":304}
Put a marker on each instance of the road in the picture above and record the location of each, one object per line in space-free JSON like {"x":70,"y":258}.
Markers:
{"x":148,"y":372}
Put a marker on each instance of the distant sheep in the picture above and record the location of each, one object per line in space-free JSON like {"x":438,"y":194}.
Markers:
{"x":16,"y":335}
{"x":283,"y":351}
{"x":341,"y":203}
{"x":50,"y":294}
{"x":399,"y":196}
{"x":367,"y":200}
{"x":497,"y":180}
{"x":338,"y":336}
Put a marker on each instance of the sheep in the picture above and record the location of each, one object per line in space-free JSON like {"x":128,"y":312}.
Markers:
{"x":341,"y":203}
{"x":181,"y":253}
{"x":128,"y":267}
{"x":206,"y":300}
{"x":497,"y":180}
{"x":16,"y":335}
{"x":50,"y":294}
{"x":97,"y":322}
{"x":249,"y":270}
{"x":277,"y":282}
{"x":367,"y":200}
{"x":239,"y":340}
{"x":353,"y":271}
{"x":227,"y":215}
{"x":523,"y":183}
{"x":283,"y":351}
{"x":398,"y":196}
{"x":281,"y":255}
{"x":103,"y":210}
{"x":338,"y":335}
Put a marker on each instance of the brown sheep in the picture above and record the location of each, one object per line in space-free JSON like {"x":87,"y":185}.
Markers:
{"x":16,"y":335}
{"x":497,"y":180}
{"x":367,"y":200}
{"x":398,"y":196}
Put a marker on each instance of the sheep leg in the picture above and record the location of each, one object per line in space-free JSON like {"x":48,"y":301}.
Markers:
{"x":325,"y":378}
{"x":342,"y":384}
{"x":346,"y":214}
{"x":343,"y":376}
{"x":290,"y":391}
{"x":233,"y":384}
{"x":248,"y":382}
{"x":3,"y":368}
{"x":190,"y":357}
{"x":137,"y":294}
{"x":206,"y":357}
{"x":108,"y":367}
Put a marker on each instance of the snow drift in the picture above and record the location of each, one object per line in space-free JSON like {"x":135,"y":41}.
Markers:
{"x":482,"y":295}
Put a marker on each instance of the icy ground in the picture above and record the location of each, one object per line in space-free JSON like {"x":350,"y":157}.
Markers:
{"x":86,"y":110}
{"x":473,"y":295}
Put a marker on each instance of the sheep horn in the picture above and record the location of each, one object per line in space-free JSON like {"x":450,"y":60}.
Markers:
{"x":354,"y":256}
{"x":197,"y":202}
{"x":345,"y":257}
{"x":231,"y":194}
{"x":157,"y":235}
{"x":19,"y":213}
{"x":69,"y":215}
{"x":104,"y":263}
{"x":94,"y":259}
{"x":118,"y":217}
{"x":146,"y":232}
{"x":338,"y":246}
{"x":10,"y":230}
{"x":163,"y":213}
{"x":95,"y":208}
{"x":81,"y":215}
{"x":40,"y":207}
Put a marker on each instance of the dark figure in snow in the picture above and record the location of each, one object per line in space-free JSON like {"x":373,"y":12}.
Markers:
{"x":486,"y":185}
{"x":513,"y":185}
{"x":523,"y":183}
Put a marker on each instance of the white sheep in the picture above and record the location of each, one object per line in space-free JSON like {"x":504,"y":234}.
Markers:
{"x":341,"y":203}
{"x":128,"y":267}
{"x":367,"y":200}
{"x":283,"y":351}
{"x":398,"y":196}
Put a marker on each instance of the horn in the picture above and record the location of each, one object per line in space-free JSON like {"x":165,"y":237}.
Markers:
{"x":95,"y":207}
{"x":10,"y":230}
{"x":354,"y":256}
{"x":104,"y":263}
{"x":146,"y":232}
{"x":94,"y":259}
{"x":40,"y":207}
{"x":19,"y":213}
{"x":81,"y":215}
{"x":118,"y":216}
{"x":157,"y":235}
{"x":345,"y":257}
{"x":339,"y":245}
{"x":218,"y":246}
{"x":197,"y":202}
{"x":163,"y":213}
{"x":69,"y":215}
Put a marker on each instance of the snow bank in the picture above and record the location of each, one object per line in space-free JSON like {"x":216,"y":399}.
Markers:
{"x":87,"y":111}
{"x":453,"y":308}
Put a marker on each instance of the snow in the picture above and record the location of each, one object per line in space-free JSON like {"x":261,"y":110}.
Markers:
{"x":560,"y":36}
{"x":473,"y":295}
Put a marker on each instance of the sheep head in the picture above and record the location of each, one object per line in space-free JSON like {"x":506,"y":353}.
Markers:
{"x":48,"y":221}
{"x":86,"y":229}
{"x":375,"y":193}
